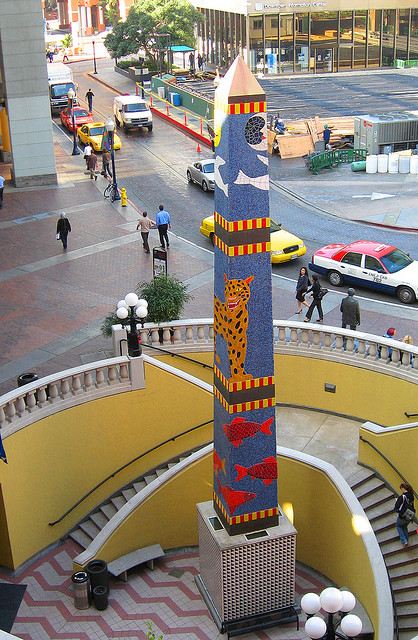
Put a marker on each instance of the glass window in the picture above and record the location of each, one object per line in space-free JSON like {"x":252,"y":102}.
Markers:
{"x":375,"y":18}
{"x":352,"y":258}
{"x":396,"y":260}
{"x":402,"y":33}
{"x":97,"y":131}
{"x":413,"y":45}
{"x":346,"y":39}
{"x":286,"y":42}
{"x":302,"y":42}
{"x":256,"y":43}
{"x":360,"y":38}
{"x":324,"y":29}
{"x":272,"y":43}
{"x":374,"y":264}
{"x":388,"y":35}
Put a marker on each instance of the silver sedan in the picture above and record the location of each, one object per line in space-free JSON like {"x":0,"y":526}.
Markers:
{"x":203,"y":174}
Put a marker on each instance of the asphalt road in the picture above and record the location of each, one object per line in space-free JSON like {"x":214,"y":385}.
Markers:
{"x":153,"y":166}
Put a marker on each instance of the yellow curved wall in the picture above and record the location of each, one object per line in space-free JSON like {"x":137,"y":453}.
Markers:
{"x":58,"y":459}
{"x":399,"y":446}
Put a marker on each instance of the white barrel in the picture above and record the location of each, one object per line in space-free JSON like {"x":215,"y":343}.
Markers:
{"x":393,"y":163}
{"x":382,"y":163}
{"x":161,"y":92}
{"x":371,"y":164}
{"x":404,"y":164}
{"x":413,"y":167}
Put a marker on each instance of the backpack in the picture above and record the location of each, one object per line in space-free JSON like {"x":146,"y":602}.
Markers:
{"x":409,"y":514}
{"x":322,"y":292}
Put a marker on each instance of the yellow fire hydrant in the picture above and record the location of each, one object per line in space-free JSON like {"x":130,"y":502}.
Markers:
{"x":123,"y":197}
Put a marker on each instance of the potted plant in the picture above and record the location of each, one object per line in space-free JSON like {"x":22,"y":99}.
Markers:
{"x":166,"y":297}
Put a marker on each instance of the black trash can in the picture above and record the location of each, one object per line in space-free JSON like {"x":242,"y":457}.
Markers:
{"x":81,"y":588}
{"x":97,"y":571}
{"x":100,"y":597}
{"x":26,"y":378}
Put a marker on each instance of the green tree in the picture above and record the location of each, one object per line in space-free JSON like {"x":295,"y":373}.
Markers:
{"x":111,"y":10}
{"x":149,"y":17}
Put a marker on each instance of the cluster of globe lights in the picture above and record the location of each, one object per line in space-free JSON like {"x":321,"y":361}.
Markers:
{"x":132,"y":301}
{"x":331,"y":600}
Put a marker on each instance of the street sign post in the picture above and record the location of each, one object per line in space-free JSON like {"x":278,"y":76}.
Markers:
{"x":159,"y":262}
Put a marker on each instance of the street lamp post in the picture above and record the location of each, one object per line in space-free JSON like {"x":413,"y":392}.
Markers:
{"x":129,"y":311}
{"x":94,"y":56}
{"x":110,"y":128}
{"x":339,"y":623}
{"x":71,"y":96}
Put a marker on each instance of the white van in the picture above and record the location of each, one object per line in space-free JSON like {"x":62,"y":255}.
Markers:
{"x":132,"y":112}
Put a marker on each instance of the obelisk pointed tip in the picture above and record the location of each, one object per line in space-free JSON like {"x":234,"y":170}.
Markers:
{"x":239,"y":82}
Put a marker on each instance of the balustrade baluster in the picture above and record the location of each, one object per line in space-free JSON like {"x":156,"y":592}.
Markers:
{"x":124,"y":371}
{"x":211,"y":333}
{"x":201,"y":333}
{"x":155,"y":336}
{"x":328,"y":338}
{"x":189,"y":335}
{"x":76,"y":384}
{"x":40,"y":398}
{"x":339,"y":343}
{"x":362,"y":347}
{"x":166,"y":336}
{"x":349,"y":345}
{"x":53,"y":391}
{"x":88,"y":380}
{"x":316,"y":339}
{"x":282,"y":335}
{"x":373,"y":350}
{"x":396,"y":356}
{"x":112,"y":374}
{"x":65,"y":388}
{"x":177,"y":335}
{"x":384,"y":354}
{"x":144,"y":336}
{"x":2,"y":417}
{"x":31,"y":401}
{"x":11,"y":410}
{"x":100,"y":377}
{"x":304,"y":337}
{"x":20,"y":405}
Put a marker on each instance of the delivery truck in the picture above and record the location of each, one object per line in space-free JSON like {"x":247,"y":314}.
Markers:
{"x":60,"y":80}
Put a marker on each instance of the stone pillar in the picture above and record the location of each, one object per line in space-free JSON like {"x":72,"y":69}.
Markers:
{"x":26,"y":90}
{"x":101,"y":25}
{"x":89,"y":23}
{"x":63,"y":14}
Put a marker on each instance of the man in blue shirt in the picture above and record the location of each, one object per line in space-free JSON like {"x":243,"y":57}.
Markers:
{"x":1,"y":191}
{"x":162,"y":220}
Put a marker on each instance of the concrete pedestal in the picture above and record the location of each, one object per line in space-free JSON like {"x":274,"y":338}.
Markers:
{"x":246,"y":574}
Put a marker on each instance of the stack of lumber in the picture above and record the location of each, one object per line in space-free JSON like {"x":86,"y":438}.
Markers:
{"x":302,"y":135}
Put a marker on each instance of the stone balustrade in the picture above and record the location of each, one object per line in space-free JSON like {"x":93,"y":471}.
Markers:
{"x":106,"y":377}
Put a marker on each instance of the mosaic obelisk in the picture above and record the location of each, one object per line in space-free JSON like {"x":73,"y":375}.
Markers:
{"x":245,"y":467}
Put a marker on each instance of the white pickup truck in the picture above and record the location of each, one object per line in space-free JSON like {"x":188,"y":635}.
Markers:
{"x":132,"y":112}
{"x":60,"y":81}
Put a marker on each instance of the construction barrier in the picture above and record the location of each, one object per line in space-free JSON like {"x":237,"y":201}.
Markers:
{"x":317,"y":161}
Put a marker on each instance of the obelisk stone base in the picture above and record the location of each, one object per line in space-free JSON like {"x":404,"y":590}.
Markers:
{"x":246,"y":574}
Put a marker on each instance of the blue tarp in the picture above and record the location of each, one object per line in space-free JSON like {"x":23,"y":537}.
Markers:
{"x":180,"y":48}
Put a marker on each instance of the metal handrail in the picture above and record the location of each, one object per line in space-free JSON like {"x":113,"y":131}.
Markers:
{"x":127,"y":464}
{"x":388,"y":461}
{"x":177,"y":355}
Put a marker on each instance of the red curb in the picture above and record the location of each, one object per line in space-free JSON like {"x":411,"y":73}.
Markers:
{"x":387,"y":226}
{"x":182,"y":127}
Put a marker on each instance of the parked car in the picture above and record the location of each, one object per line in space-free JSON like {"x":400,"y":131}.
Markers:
{"x":81,"y":116}
{"x":203,"y":174}
{"x":93,"y":133}
{"x":374,"y":265}
{"x":284,"y":245}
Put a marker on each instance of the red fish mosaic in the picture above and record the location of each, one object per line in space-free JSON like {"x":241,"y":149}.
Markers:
{"x":265,"y":471}
{"x":234,"y":498}
{"x":218,"y":463}
{"x":239,"y":429}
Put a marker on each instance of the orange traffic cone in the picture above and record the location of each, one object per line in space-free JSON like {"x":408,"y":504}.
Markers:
{"x":198,"y":150}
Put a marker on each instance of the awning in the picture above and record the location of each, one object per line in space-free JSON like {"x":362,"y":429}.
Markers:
{"x":180,"y":48}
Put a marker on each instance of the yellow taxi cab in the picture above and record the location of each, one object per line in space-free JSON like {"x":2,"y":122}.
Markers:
{"x":284,"y":245}
{"x":94,"y":133}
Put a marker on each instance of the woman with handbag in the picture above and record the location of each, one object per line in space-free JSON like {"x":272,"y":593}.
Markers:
{"x":301,"y":288}
{"x":404,"y":506}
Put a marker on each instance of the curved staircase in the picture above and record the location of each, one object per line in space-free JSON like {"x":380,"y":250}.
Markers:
{"x":377,"y":500}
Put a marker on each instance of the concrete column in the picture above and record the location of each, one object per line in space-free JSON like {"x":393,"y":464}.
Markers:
{"x":89,"y":22}
{"x":22,"y":57}
{"x":101,"y":25}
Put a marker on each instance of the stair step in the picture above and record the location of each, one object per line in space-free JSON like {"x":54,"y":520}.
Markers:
{"x":407,"y":609}
{"x":89,"y":528}
{"x":387,"y":536}
{"x":381,"y":509}
{"x":170,"y":465}
{"x":359,"y":477}
{"x":99,"y":519}
{"x":138,"y":486}
{"x":81,"y":538}
{"x":380,"y":497}
{"x":118,"y":501}
{"x":404,"y":571}
{"x":391,"y":548}
{"x":150,"y":478}
{"x":403,"y":597}
{"x":128,"y":493}
{"x":109,"y":510}
{"x":160,"y":471}
{"x":404,"y":585}
{"x":400,"y":559}
{"x":407,"y":635}
{"x":370,"y":486}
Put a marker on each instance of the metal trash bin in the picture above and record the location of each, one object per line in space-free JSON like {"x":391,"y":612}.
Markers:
{"x":100,"y":598}
{"x":97,"y":572}
{"x":26,"y":378}
{"x":81,"y":588}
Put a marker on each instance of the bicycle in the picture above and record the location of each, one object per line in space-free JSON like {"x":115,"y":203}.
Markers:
{"x":111,"y":192}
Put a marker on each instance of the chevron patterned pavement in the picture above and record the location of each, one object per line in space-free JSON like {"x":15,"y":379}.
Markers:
{"x":166,"y":596}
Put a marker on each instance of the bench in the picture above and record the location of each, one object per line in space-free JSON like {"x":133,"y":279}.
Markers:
{"x":120,"y":566}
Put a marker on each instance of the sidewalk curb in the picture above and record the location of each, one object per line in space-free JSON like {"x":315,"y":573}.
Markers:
{"x":105,"y":84}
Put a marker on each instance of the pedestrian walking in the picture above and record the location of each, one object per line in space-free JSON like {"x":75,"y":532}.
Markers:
{"x":65,"y":57}
{"x":145,"y":224}
{"x":326,"y":135}
{"x":191,"y":62}
{"x":317,"y":295}
{"x":302,"y":286}
{"x":92,"y":165}
{"x":200,"y":62}
{"x":1,"y":191}
{"x":106,"y":157}
{"x":63,"y":229}
{"x":89,"y":98}
{"x":350,"y":310}
{"x":163,"y":223}
{"x":404,"y":506}
{"x":88,"y":150}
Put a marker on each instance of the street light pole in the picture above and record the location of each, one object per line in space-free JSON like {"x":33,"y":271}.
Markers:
{"x":129,"y":311}
{"x":71,"y":96}
{"x":332,"y":601}
{"x":94,"y":56}
{"x":110,"y":128}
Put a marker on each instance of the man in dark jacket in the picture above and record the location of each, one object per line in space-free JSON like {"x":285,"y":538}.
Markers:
{"x":350,"y":310}
{"x":63,"y":229}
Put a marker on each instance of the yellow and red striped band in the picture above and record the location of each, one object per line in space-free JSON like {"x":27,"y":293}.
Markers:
{"x":243,"y":385}
{"x":242,"y":249}
{"x":241,"y":225}
{"x":239,"y":108}
{"x":244,"y":406}
{"x":245,"y":517}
